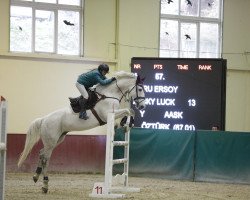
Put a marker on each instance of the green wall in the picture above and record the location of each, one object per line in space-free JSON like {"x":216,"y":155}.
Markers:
{"x":214,"y":156}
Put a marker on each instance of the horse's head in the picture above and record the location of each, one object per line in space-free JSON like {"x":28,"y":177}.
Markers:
{"x":126,"y":85}
{"x":138,"y":95}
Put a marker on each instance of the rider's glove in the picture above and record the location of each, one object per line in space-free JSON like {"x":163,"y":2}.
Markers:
{"x":113,"y":78}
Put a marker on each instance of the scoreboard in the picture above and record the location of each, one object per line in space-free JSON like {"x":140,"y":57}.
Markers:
{"x":182,"y":94}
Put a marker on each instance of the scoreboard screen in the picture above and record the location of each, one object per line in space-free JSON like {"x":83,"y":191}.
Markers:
{"x":182,"y":94}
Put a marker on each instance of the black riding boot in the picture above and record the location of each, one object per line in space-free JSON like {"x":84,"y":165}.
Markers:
{"x":83,"y":113}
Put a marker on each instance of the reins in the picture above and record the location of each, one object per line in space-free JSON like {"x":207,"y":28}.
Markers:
{"x":127,"y":93}
{"x":123,"y":94}
{"x":104,"y":97}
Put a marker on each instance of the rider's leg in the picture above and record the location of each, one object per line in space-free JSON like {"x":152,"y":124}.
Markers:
{"x":84,"y":93}
{"x":83,"y":113}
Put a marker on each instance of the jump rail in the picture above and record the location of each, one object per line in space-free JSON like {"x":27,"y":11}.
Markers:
{"x":3,"y":142}
{"x":117,"y":183}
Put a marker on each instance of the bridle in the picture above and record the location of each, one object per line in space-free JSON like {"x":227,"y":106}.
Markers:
{"x":126,"y":95}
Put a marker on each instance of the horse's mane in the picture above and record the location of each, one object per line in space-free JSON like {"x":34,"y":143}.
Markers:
{"x":118,"y":75}
{"x":121,"y":74}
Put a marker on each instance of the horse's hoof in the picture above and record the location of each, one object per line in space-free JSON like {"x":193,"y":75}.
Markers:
{"x":35,"y":178}
{"x":45,"y":190}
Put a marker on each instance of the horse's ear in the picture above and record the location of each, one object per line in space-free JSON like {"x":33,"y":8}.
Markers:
{"x":139,"y":80}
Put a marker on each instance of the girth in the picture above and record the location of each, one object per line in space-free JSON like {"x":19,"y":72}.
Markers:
{"x":97,"y":117}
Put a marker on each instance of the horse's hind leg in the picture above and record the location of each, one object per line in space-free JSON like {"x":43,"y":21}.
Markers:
{"x":45,"y":162}
{"x":39,"y":167}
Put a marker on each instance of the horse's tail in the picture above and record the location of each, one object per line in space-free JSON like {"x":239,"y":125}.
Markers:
{"x":32,"y":137}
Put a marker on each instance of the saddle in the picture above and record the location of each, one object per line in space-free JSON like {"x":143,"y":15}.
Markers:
{"x":91,"y":102}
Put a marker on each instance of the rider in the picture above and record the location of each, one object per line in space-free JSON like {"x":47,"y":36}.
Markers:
{"x":89,"y":79}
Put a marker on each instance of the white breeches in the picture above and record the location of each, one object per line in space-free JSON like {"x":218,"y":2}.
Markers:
{"x":82,"y":90}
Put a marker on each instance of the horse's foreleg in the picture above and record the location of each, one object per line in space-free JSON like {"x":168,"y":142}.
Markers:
{"x":122,"y":112}
{"x":39,"y":167}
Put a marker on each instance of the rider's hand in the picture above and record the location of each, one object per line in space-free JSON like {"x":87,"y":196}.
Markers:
{"x":92,"y":88}
{"x":113,"y":78}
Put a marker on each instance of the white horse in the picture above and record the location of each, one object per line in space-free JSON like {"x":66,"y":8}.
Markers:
{"x":53,"y":128}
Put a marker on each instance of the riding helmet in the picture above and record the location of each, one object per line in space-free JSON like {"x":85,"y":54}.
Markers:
{"x":103,"y":67}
